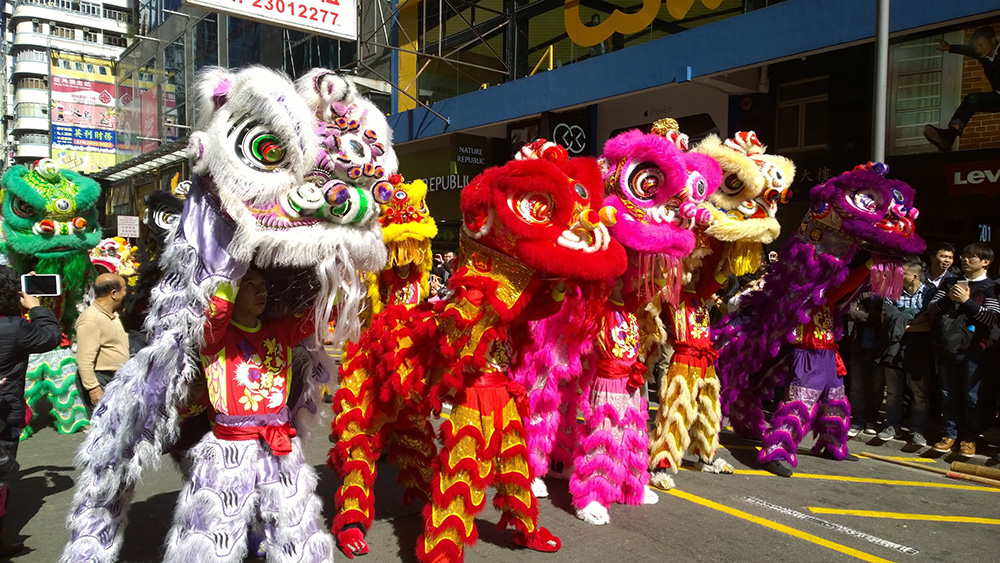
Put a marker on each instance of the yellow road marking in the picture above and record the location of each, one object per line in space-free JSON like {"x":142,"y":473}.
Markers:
{"x":906,"y":516}
{"x":873,"y":481}
{"x":777,"y":527}
{"x":907,"y":458}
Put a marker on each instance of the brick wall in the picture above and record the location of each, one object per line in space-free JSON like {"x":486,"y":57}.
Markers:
{"x":984,"y":129}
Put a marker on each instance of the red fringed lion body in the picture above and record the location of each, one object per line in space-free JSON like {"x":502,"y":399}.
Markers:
{"x":527,"y":223}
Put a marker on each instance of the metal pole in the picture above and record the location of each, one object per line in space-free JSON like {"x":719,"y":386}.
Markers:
{"x":881,"y":71}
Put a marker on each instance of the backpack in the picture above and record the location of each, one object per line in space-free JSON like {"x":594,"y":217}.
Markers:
{"x":952,"y":332}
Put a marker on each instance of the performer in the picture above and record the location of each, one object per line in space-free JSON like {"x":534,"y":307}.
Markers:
{"x":854,"y":215}
{"x":658,"y":188}
{"x":49,"y":227}
{"x":407,"y":228}
{"x":530,"y":219}
{"x":690,"y":418}
{"x":252,"y":202}
{"x":253,"y":451}
{"x":743,"y":206}
{"x":815,"y":396}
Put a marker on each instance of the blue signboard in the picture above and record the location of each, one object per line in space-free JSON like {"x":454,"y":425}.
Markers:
{"x":70,"y":137}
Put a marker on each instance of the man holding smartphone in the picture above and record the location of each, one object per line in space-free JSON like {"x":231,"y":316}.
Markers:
{"x":970,"y":304}
{"x":101,"y":340}
{"x":19,"y":337}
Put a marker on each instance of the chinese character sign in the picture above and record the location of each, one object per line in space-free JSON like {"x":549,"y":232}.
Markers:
{"x":83,"y":112}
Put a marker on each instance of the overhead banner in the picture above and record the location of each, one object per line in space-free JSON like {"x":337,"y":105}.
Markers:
{"x":82,"y":91}
{"x":83,"y":112}
{"x":330,"y":18}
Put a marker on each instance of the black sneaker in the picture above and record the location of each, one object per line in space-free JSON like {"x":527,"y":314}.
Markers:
{"x":943,"y":139}
{"x":778,"y":468}
{"x":870,"y":429}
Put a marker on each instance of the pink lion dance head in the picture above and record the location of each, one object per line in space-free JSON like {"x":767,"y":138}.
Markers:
{"x":657,"y":188}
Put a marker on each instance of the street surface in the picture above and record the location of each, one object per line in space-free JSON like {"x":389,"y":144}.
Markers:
{"x":829,"y":511}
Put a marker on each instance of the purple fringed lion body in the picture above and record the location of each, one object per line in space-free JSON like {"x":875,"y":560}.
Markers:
{"x":857,"y":213}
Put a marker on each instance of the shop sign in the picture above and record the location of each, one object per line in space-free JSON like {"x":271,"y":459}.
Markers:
{"x":571,"y":129}
{"x":470,"y":153}
{"x":128,"y":226}
{"x":449,"y":182}
{"x":973,"y":177}
{"x":330,"y":18}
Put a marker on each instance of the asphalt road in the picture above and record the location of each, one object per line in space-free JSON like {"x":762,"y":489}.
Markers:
{"x":906,"y":515}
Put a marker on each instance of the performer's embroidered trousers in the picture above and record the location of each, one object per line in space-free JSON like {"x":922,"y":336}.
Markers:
{"x":484,"y":445}
{"x":815,"y":399}
{"x":612,"y":457}
{"x":690,"y":416}
{"x":237,"y":484}
{"x":363,"y":433}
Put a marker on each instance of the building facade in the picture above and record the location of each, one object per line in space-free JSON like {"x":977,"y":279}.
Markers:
{"x":57,"y":52}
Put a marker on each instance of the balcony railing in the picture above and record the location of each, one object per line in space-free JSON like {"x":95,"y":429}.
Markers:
{"x":82,"y":8}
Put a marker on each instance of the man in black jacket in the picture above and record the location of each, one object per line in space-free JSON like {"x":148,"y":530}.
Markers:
{"x":19,"y":337}
{"x":983,"y":47}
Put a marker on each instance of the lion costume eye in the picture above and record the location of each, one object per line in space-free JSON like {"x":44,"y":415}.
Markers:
{"x":732,"y":184}
{"x":865,"y":200}
{"x":644,"y":180}
{"x":257,"y":146}
{"x":21,"y":208}
{"x":535,"y":208}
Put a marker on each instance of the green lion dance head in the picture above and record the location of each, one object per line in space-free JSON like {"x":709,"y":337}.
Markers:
{"x":50,"y":226}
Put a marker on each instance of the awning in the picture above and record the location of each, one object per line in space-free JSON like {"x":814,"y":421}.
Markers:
{"x":165,"y":155}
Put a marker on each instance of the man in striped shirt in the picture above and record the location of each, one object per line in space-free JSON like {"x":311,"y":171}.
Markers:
{"x":961,"y":374}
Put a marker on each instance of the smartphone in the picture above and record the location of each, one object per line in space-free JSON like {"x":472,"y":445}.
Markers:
{"x":962,"y":282}
{"x":46,"y":285}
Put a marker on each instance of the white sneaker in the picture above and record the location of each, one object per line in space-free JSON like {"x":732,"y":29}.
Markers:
{"x":594,"y":513}
{"x":538,"y":488}
{"x":650,"y":497}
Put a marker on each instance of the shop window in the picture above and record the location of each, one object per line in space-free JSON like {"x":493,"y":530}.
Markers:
{"x":802,"y":115}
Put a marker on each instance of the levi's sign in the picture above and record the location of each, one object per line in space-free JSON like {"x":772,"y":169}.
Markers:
{"x":331,"y":18}
{"x":980,"y":176}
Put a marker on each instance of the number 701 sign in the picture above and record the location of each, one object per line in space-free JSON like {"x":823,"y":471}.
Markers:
{"x":330,"y":18}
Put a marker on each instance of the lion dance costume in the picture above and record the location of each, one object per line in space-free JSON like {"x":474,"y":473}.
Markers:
{"x":790,"y":341}
{"x":50,"y":226}
{"x":655,"y":188}
{"x":531,"y":218}
{"x":270,"y":189}
{"x":408,"y":229}
{"x":743,"y":207}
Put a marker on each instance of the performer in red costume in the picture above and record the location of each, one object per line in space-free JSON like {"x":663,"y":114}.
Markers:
{"x":252,"y":452}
